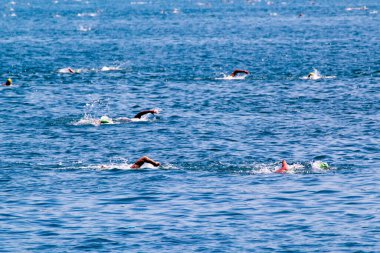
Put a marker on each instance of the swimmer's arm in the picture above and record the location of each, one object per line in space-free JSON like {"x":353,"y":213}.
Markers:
{"x":140,"y":162}
{"x":281,"y":170}
{"x":140,"y":114}
{"x":237,"y":71}
{"x":284,"y":168}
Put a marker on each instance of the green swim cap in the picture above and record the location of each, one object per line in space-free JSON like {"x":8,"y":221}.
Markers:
{"x":324,"y":165}
{"x":105,"y":120}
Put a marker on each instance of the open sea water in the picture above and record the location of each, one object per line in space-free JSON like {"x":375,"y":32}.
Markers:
{"x":65,"y":185}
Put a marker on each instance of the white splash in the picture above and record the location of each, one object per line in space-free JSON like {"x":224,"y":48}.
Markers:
{"x":69,"y":70}
{"x":111,"y":68}
{"x":87,"y":14}
{"x":316,"y":75}
{"x":320,"y":165}
{"x":87,"y":120}
{"x":229,"y":77}
{"x":124,"y":166}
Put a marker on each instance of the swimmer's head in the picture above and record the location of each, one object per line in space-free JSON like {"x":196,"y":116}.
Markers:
{"x":8,"y":82}
{"x":105,"y":120}
{"x":311,"y":74}
{"x":324,"y":165}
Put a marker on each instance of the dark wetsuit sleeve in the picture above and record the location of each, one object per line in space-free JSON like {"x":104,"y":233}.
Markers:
{"x":140,"y":114}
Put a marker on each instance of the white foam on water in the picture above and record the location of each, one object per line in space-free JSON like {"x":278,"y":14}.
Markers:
{"x":87,"y":14}
{"x":229,"y":77}
{"x":361,"y":8}
{"x":138,"y":3}
{"x":123,"y":166}
{"x":87,"y":120}
{"x":316,"y":75}
{"x":83,"y":28}
{"x":110,"y":68}
{"x":320,"y":166}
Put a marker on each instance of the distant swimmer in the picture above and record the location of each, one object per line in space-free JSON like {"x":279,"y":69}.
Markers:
{"x":311,"y":75}
{"x":69,"y":70}
{"x":107,"y":120}
{"x":284,"y":168}
{"x":239,"y":71}
{"x":8,"y":82}
{"x":73,"y":71}
{"x":140,"y":162}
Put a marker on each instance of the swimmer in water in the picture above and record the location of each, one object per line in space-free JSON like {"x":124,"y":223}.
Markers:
{"x":239,"y":71}
{"x":311,"y":75}
{"x":140,"y":114}
{"x":284,"y":168}
{"x":70,"y":70}
{"x":140,"y":162}
{"x":8,"y":82}
{"x":106,"y":120}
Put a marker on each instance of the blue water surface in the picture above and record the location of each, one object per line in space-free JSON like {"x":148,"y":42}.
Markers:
{"x":65,"y":185}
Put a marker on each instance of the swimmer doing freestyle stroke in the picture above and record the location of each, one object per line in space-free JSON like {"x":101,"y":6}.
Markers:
{"x":239,"y":71}
{"x":284,"y":168}
{"x":138,"y":164}
{"x":107,"y":120}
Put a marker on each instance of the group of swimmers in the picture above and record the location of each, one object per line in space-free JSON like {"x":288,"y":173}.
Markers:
{"x":145,"y":159}
{"x":142,"y":160}
{"x":311,"y":75}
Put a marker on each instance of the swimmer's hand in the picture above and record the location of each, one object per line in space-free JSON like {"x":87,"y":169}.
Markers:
{"x":155,"y":111}
{"x":157,"y":164}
